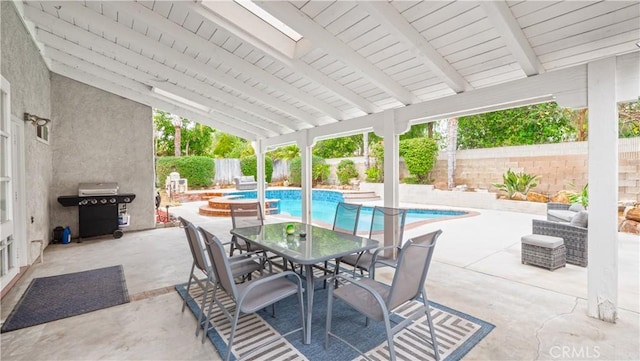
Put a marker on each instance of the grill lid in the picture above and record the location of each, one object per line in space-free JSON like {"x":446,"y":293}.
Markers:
{"x":97,"y":189}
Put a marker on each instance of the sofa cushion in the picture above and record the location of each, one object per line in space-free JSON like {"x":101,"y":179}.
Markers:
{"x":580,"y":219}
{"x":247,"y":179}
{"x":564,"y":215}
{"x":576,"y":207}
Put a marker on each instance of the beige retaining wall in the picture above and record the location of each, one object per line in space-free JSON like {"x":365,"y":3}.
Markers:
{"x":558,"y":165}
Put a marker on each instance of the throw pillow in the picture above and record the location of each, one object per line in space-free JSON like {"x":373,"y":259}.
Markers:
{"x":576,"y":207}
{"x":580,"y":219}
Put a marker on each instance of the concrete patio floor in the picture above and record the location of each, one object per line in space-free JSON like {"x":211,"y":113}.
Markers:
{"x":538,"y":314}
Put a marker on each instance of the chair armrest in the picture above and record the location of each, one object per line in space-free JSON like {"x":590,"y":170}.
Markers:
{"x":375,"y":260}
{"x":267,"y":279}
{"x":252,"y":256}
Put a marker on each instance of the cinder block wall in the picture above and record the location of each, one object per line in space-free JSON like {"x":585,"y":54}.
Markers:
{"x":558,"y":165}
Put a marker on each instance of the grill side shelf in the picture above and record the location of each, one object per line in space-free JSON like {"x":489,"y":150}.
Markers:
{"x":74,"y":201}
{"x":69,"y":201}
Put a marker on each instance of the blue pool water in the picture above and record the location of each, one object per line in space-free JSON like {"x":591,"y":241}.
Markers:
{"x":325,"y":202}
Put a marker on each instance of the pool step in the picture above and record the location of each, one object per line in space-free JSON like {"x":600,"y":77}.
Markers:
{"x":219,"y":206}
{"x":360,"y":196}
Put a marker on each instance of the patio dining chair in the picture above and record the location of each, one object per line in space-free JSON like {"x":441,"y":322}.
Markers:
{"x":251,"y":296}
{"x":197,"y":256}
{"x":244,"y":215}
{"x":387,"y":227}
{"x":377,"y":300}
{"x":242,"y":266}
{"x":345,"y":221}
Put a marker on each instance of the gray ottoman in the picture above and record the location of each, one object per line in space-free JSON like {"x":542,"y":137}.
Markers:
{"x":544,"y":251}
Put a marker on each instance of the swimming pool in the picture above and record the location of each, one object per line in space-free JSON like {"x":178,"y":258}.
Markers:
{"x":326,"y":201}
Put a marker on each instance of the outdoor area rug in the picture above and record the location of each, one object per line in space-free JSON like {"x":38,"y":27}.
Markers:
{"x":56,"y":297}
{"x":457,"y":333}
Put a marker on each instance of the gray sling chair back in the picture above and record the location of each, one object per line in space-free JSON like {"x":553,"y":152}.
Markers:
{"x":250,"y":296}
{"x":244,"y":215}
{"x":387,"y":227}
{"x":377,"y":300}
{"x":197,"y":256}
{"x":248,"y":215}
{"x":345,"y":221}
{"x":241,"y":266}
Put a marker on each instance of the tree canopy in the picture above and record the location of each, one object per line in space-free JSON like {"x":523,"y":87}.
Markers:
{"x":532,"y":124}
{"x":629,"y":117}
{"x":195,"y":137}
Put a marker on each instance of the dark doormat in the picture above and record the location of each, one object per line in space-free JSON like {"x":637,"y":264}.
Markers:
{"x":56,"y":297}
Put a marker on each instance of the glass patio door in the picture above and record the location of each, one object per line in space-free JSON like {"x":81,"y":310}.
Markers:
{"x":8,"y":251}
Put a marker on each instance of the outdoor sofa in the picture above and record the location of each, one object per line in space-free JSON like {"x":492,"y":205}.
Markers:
{"x":573,"y":231}
{"x":247,"y":182}
{"x":562,"y":212}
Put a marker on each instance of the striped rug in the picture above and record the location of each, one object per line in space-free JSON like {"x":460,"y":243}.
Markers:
{"x":259,"y":335}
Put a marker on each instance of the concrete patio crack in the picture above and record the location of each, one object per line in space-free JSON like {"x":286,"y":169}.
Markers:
{"x":550,"y":319}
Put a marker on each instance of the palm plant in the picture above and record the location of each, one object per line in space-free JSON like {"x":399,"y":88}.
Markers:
{"x":516,"y":183}
{"x":581,"y":197}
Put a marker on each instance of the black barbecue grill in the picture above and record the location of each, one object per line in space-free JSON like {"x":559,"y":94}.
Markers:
{"x":98,"y":205}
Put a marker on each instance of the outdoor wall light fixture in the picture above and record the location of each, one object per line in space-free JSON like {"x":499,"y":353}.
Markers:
{"x":35,"y":120}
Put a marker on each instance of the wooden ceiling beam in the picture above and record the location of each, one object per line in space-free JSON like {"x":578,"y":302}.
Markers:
{"x":118,"y":30}
{"x":397,"y":25}
{"x":57,"y":46}
{"x":120,"y":90}
{"x":291,"y":62}
{"x":301,"y":23}
{"x":510,"y":31}
{"x":114,"y":78}
{"x":205,"y":47}
{"x":158,"y":73}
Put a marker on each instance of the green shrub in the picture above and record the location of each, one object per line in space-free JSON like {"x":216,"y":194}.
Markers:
{"x":373,"y":175}
{"x":320,"y":170}
{"x":198,"y":170}
{"x":346,"y":170}
{"x":411,"y":180}
{"x":516,"y":183}
{"x":249,"y":166}
{"x":581,"y":197}
{"x":420,"y":156}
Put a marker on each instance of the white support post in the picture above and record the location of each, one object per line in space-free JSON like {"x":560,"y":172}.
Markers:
{"x":259,"y":149}
{"x":603,"y":191}
{"x":305,"y":146}
{"x":391,"y":160}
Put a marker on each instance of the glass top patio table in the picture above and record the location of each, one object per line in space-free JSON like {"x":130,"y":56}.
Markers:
{"x":318,"y":245}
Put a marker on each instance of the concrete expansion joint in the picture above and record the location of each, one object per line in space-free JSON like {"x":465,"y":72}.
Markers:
{"x":151,"y":293}
{"x":544,"y":323}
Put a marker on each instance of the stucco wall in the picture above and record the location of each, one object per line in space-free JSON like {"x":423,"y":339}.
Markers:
{"x":101,"y":137}
{"x":28,"y":75}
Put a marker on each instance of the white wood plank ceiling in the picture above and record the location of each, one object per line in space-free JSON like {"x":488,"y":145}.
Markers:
{"x":219,"y":64}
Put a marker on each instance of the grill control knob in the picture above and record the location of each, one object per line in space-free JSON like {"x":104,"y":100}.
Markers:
{"x":112,"y":200}
{"x":127,"y":199}
{"x":94,"y":201}
{"x":83,"y":202}
{"x":103,"y":201}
